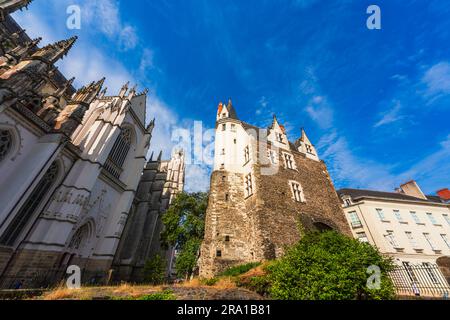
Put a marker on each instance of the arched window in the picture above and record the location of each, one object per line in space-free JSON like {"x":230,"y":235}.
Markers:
{"x":5,"y":143}
{"x":114,"y":163}
{"x":27,"y":210}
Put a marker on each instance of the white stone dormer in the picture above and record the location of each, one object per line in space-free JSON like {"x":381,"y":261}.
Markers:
{"x":305,"y":146}
{"x":277,"y":135}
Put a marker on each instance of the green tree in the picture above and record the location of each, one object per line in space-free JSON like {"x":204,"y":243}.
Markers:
{"x":184,"y":227}
{"x":154,"y":270}
{"x":329,"y":266}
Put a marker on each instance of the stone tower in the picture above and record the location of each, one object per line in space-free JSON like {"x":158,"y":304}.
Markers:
{"x":264,"y":191}
{"x":159,"y":184}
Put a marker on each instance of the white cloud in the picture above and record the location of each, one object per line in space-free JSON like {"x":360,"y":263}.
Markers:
{"x":104,"y":15}
{"x":437,"y":81}
{"x":197,"y":178}
{"x":390,"y":116}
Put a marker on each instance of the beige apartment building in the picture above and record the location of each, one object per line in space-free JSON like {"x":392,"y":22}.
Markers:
{"x":409,"y":226}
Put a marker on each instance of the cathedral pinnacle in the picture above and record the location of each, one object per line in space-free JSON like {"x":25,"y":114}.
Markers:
{"x":53,"y":52}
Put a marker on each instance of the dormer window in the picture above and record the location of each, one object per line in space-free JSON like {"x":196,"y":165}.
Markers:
{"x":309,"y":149}
{"x":279,"y":137}
{"x":233,"y":128}
{"x":224,"y":127}
{"x":224,"y":115}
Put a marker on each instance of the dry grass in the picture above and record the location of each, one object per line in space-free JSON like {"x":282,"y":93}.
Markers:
{"x":193,"y":283}
{"x":225,"y":283}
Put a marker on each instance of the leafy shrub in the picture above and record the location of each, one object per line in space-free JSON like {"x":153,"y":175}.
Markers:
{"x":154,"y":270}
{"x":329,"y":266}
{"x":241,"y":269}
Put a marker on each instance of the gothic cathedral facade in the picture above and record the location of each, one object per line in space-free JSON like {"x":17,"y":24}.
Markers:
{"x":71,"y":164}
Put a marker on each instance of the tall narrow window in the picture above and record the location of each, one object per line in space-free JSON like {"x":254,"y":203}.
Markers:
{"x":430,"y":270}
{"x":297,"y":192}
{"x":114,"y":163}
{"x":279,"y":137}
{"x":446,"y":240}
{"x":415,"y":217}
{"x":409,"y":271}
{"x":309,"y":149}
{"x":390,"y":237}
{"x":411,"y":239}
{"x":447,"y":218}
{"x":5,"y":143}
{"x":381,"y":214}
{"x":289,"y":161}
{"x":354,"y":219}
{"x":398,"y":216}
{"x":246,"y":154}
{"x":430,"y":241}
{"x":248,"y":185}
{"x":30,"y":206}
{"x":273,"y":157}
{"x":431,"y":218}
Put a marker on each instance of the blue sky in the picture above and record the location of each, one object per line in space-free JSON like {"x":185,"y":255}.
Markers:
{"x":375,"y":102}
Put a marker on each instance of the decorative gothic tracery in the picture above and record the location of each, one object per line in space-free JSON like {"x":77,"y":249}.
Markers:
{"x":119,"y":152}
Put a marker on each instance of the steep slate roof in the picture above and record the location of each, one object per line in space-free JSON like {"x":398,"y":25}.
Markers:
{"x":359,"y":193}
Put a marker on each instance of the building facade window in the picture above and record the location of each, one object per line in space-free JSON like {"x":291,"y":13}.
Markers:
{"x":354,"y":219}
{"x":309,"y":149}
{"x":390,"y":237}
{"x":246,"y":154}
{"x":398,"y":215}
{"x":224,"y":127}
{"x":447,"y":218}
{"x":248,"y":185}
{"x":6,"y":141}
{"x":289,"y":161}
{"x":227,"y":238}
{"x":273,"y":156}
{"x":431,"y":218}
{"x":219,"y":253}
{"x":381,"y":214}
{"x":446,"y":240}
{"x":233,"y":127}
{"x":279,"y":137}
{"x":415,"y":217}
{"x":119,"y":152}
{"x":297,"y":192}
{"x":429,"y":268}
{"x":409,"y":271}
{"x":411,"y":239}
{"x":361,"y":236}
{"x":429,"y":240}
{"x":28,"y":209}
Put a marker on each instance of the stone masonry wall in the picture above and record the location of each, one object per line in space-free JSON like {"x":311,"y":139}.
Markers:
{"x":262,"y":226}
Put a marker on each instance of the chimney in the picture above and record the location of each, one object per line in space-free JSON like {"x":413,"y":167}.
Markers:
{"x":412,"y":189}
{"x":444,"y":194}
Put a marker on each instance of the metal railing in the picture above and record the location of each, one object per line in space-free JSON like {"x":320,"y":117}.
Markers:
{"x":420,"y":280}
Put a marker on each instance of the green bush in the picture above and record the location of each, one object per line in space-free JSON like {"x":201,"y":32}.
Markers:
{"x":154,"y":270}
{"x":165,"y":295}
{"x":329,"y":266}
{"x":241,"y":269}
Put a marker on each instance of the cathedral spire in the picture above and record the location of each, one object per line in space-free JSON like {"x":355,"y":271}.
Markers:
{"x":88,"y":94}
{"x":53,"y":52}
